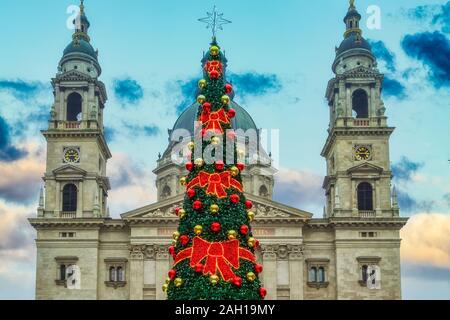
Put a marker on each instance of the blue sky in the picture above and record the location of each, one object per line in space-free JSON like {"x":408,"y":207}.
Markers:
{"x":280,"y":57}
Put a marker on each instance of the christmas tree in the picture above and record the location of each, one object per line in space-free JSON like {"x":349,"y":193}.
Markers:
{"x":214,"y":249}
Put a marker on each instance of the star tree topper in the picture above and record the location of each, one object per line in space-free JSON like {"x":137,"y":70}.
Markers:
{"x":215,"y":21}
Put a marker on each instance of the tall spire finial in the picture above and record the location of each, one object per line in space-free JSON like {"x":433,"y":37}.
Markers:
{"x":352,"y":4}
{"x":215,"y":21}
{"x":81,"y":6}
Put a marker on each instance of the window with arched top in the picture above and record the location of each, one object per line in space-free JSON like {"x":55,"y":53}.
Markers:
{"x":74,"y":102}
{"x":70,"y":198}
{"x":360,"y":104}
{"x":263,"y":192}
{"x":312,"y":274}
{"x":364,"y":269}
{"x":365,"y":197}
{"x":112,"y":274}
{"x":167,"y":192}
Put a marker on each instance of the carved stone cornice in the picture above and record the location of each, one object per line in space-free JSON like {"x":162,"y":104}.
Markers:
{"x":137,"y":251}
{"x":295,"y":252}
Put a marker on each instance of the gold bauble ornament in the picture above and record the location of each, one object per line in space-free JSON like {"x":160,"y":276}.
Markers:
{"x":182,"y":213}
{"x":178,"y":282}
{"x":199,"y":162}
{"x":251,"y":242}
{"x":234,"y":171}
{"x":214,"y":279}
{"x":165,"y":287}
{"x":214,"y":208}
{"x":176,"y":235}
{"x":251,"y":215}
{"x":168,"y":280}
{"x":202,"y":84}
{"x":214,"y":50}
{"x":251,"y":276}
{"x":174,"y":242}
{"x":191,"y":145}
{"x":198,"y":230}
{"x":183,"y":181}
{"x":215,"y":141}
{"x":201,"y":99}
{"x":232,"y":235}
{"x":225,"y":99}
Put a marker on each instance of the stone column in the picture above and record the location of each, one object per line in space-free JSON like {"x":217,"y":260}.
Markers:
{"x":80,"y":202}
{"x":269,"y":253}
{"x":162,"y":268}
{"x":137,"y":272}
{"x":58,"y":206}
{"x":296,"y":271}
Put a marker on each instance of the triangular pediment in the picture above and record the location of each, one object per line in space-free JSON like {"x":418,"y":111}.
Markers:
{"x":362,"y":72}
{"x":73,"y":75}
{"x":69,"y":170}
{"x":365,"y":168}
{"x":263,"y":208}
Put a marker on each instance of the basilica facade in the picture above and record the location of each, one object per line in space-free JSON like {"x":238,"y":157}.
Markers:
{"x":353,"y":252}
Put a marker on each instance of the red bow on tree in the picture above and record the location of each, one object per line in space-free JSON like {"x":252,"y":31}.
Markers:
{"x":216,"y":182}
{"x":216,"y":66}
{"x":220,"y":256}
{"x":213,"y":120}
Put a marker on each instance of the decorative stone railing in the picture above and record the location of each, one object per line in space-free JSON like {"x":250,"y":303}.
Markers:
{"x":361,"y":122}
{"x":367,"y":214}
{"x":68,"y":215}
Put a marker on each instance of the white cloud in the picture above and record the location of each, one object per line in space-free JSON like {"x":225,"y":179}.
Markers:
{"x":426,"y":240}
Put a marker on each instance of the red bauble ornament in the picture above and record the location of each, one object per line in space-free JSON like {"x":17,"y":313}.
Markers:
{"x":172,"y":250}
{"x":234,"y":198}
{"x":177,"y":211}
{"x":248,"y":204}
{"x":214,"y":74}
{"x":231,"y":135}
{"x":241,"y":166}
{"x":216,"y":226}
{"x":228,"y":88}
{"x":258,"y":268}
{"x":191,"y":193}
{"x":257,"y":243}
{"x":263,"y":292}
{"x":204,"y":132}
{"x":244,"y":230}
{"x":189,"y":166}
{"x":231,"y":113}
{"x":207,"y":106}
{"x":237,"y":281}
{"x":197,"y":205}
{"x":220,"y":165}
{"x":199,"y":268}
{"x":184,"y":240}
{"x":172,"y":274}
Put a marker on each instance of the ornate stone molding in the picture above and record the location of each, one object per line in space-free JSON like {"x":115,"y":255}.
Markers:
{"x":150,"y":253}
{"x":269,"y":252}
{"x":162,"y":252}
{"x":318,"y":285}
{"x":137,"y":251}
{"x":295,"y":252}
{"x":263,"y":211}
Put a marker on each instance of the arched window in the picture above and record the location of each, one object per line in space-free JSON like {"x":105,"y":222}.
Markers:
{"x":166,"y":192}
{"x":365,"y":197}
{"x":360,"y":104}
{"x":364,"y":269}
{"x":70,"y":198}
{"x":313,"y":274}
{"x":321,"y":275}
{"x":263,"y":192}
{"x":112,"y":274}
{"x":120,"y":274}
{"x":74,"y":107}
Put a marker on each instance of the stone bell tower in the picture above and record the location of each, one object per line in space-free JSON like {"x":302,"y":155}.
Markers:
{"x":76,"y":185}
{"x":358,"y":182}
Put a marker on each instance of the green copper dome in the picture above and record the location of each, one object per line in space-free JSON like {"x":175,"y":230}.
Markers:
{"x":81,"y":46}
{"x":243,"y":120}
